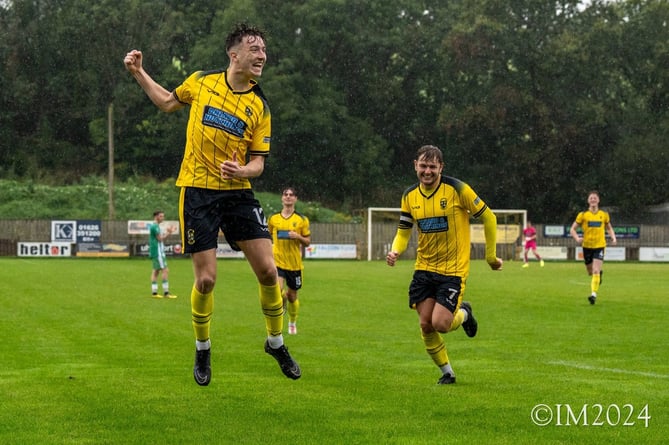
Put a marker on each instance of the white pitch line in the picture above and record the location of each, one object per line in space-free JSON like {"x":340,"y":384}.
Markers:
{"x":616,"y":370}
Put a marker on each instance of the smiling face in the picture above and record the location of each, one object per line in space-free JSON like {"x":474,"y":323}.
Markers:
{"x":428,"y":171}
{"x":593,"y":200}
{"x":249,"y":56}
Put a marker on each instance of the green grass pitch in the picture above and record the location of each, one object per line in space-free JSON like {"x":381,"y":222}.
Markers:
{"x":88,"y":358}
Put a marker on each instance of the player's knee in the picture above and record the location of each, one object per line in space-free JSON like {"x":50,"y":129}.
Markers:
{"x":205,"y":284}
{"x":441,"y":326}
{"x":428,"y":327}
{"x":267,"y":276}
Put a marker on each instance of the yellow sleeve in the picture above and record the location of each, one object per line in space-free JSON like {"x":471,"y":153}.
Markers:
{"x":401,"y":240}
{"x":490,"y":229}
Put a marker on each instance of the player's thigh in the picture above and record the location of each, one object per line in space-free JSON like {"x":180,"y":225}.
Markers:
{"x":424,"y":309}
{"x":442,"y":318}
{"x":204,"y":265}
{"x":258,"y":252}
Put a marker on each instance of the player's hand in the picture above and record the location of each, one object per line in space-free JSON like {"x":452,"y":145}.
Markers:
{"x":133,"y":61}
{"x":497,"y":264}
{"x":231,"y":169}
{"x":391,"y":258}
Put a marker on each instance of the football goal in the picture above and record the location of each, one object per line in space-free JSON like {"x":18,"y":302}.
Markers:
{"x":382,"y":224}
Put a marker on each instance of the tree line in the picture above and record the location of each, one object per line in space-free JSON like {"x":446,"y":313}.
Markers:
{"x":534,"y":102}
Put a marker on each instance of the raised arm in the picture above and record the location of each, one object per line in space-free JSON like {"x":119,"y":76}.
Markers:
{"x":162,"y":98}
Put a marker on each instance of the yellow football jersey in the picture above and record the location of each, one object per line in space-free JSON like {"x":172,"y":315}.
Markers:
{"x":442,"y":220}
{"x":221,"y":122}
{"x":288,"y":252}
{"x":593,"y":226}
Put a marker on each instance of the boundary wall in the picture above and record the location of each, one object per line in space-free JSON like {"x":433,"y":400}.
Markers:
{"x":38,"y":233}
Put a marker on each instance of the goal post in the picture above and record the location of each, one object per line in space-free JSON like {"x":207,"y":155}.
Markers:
{"x":370,"y":225}
{"x":510,"y":225}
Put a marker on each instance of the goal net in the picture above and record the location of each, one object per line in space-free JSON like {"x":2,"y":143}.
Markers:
{"x":382,"y":225}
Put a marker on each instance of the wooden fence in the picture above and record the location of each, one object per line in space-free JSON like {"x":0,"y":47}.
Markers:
{"x":14,"y":231}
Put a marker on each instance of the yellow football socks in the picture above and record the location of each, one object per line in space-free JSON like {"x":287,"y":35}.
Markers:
{"x":458,"y":318}
{"x":293,"y":309}
{"x":435,"y":347}
{"x":202,"y":306}
{"x":594,"y":283}
{"x":272,"y":308}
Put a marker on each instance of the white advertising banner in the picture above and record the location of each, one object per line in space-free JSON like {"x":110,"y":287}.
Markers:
{"x":550,"y":253}
{"x":225,"y":251}
{"x":339,"y":251}
{"x":64,"y":231}
{"x":136,"y":227}
{"x":610,"y":254}
{"x":654,"y":254}
{"x":44,"y":249}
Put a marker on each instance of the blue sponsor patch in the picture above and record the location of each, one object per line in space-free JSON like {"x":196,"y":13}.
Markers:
{"x":213,"y":117}
{"x":433,"y":225}
{"x":594,"y":224}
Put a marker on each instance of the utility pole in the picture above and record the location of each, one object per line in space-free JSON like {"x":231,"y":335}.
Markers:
{"x":110,"y":133}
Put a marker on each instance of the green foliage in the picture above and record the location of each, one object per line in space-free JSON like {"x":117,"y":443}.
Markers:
{"x":135,"y":198}
{"x":90,"y":358}
{"x":271,"y":203}
{"x":534,"y":102}
{"x":89,"y":199}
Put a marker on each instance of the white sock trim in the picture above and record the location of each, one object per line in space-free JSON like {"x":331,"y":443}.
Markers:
{"x":202,"y":345}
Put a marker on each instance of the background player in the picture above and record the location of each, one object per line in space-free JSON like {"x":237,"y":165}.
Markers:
{"x":157,"y":255}
{"x":593,"y":223}
{"x":290,"y":233}
{"x":530,"y":234}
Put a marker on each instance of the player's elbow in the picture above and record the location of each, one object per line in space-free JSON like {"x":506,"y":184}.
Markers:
{"x":168,"y":106}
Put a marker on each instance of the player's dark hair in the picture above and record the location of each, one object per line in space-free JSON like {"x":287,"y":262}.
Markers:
{"x":430,"y":153}
{"x":289,"y":189}
{"x":242,"y":30}
{"x":157,"y":212}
